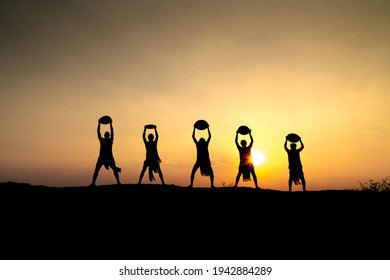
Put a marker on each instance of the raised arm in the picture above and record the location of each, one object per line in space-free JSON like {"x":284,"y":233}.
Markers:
{"x":236,"y":140}
{"x":156,"y":134}
{"x":193,"y":136}
{"x":144,"y":135}
{"x":285,"y":146}
{"x":251,"y":142}
{"x":302,"y":146}
{"x":208,"y":139}
{"x":112,"y":131}
{"x":98,"y":131}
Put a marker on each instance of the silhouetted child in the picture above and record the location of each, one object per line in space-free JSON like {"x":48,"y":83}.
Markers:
{"x":295,"y":165}
{"x":246,"y":167}
{"x":152,"y":158}
{"x":202,"y":159}
{"x":106,"y":157}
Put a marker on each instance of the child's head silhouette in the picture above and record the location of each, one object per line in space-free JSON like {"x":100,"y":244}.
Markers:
{"x":293,"y":146}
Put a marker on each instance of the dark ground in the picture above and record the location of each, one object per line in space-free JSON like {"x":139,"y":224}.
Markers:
{"x":171,"y":222}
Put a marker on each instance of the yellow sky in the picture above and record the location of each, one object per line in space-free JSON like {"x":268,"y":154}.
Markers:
{"x":316,"y":68}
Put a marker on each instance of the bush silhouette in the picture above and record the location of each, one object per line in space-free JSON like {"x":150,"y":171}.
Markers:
{"x":376,"y":186}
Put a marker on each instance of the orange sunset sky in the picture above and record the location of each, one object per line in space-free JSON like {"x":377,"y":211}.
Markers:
{"x":316,"y":68}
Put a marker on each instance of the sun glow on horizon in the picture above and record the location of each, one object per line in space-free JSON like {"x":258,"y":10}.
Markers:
{"x":258,"y":157}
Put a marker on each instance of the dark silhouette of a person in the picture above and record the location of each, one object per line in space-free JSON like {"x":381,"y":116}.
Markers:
{"x":152,"y":158}
{"x":246,"y":167}
{"x":295,"y":165}
{"x":106,"y":157}
{"x":202,"y":159}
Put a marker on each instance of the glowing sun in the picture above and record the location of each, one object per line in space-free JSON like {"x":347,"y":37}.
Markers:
{"x":258,"y":157}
